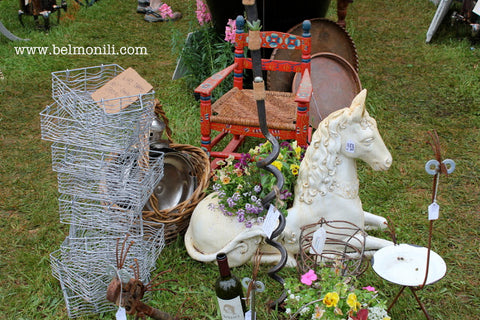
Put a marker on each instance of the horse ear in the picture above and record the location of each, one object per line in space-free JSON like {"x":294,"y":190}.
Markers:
{"x":357,"y":108}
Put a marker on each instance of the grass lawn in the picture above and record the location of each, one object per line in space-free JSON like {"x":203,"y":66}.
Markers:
{"x":413,"y":87}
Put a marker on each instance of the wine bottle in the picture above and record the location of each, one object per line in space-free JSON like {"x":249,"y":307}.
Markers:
{"x":229,"y":292}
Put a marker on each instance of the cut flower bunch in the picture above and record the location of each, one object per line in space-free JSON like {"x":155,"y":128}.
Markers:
{"x":331,"y":296}
{"x":240,"y":185}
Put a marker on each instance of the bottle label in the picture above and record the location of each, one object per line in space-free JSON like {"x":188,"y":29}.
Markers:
{"x":231,"y":309}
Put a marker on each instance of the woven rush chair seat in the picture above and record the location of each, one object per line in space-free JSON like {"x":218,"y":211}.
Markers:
{"x":238,"y":107}
{"x":235,"y":114}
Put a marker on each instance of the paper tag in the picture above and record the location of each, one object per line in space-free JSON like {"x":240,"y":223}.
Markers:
{"x":318,"y":241}
{"x":271,"y":221}
{"x":127,"y":84}
{"x":248,"y":315}
{"x":350,"y":146}
{"x":433,"y":211}
{"x":121,"y":314}
{"x":476,"y":9}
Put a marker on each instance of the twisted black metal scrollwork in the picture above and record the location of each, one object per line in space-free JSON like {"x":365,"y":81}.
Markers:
{"x":252,"y":15}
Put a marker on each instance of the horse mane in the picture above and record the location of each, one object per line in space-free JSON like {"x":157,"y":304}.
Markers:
{"x":319,"y":165}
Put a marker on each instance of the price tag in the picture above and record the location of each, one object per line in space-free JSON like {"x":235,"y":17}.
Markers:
{"x":433,"y":211}
{"x":271,"y":221}
{"x":350,"y":146}
{"x":476,"y":9}
{"x":318,"y":241}
{"x":121,"y":314}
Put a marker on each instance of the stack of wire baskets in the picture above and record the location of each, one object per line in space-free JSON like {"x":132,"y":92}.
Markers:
{"x":106,"y":173}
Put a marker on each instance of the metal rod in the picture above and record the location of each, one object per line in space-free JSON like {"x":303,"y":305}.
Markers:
{"x":252,"y":15}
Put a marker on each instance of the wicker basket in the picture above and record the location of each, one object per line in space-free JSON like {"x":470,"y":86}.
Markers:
{"x":176,"y":219}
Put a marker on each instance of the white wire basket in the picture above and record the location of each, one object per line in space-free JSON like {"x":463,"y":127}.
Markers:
{"x":59,"y":125}
{"x":95,"y":214}
{"x":78,"y":306}
{"x":73,"y":89}
{"x":87,"y":259}
{"x":129,"y":189}
{"x":93,"y":163}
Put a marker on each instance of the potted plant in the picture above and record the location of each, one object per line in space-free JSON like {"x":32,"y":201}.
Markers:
{"x":329,"y":295}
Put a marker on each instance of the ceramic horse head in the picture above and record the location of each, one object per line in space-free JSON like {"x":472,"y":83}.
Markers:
{"x":327,"y":187}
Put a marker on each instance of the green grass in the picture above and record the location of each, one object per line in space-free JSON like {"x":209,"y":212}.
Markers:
{"x":413,"y":88}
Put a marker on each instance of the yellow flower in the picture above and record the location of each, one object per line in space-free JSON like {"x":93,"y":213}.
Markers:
{"x":294,"y":168}
{"x":387,"y":318}
{"x":353,"y":302}
{"x":280,"y":156}
{"x":226,"y":179}
{"x":331,"y":299}
{"x":277,"y":164}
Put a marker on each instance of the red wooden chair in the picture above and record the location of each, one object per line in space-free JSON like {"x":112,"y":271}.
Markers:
{"x":236,"y":111}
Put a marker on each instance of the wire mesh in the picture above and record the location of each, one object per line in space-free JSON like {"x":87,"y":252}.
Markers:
{"x":87,"y":259}
{"x":95,"y":214}
{"x":129,"y":189}
{"x":344,"y":247}
{"x":72,"y":89}
{"x":93,"y":163}
{"x":78,"y":306}
{"x":58,"y":125}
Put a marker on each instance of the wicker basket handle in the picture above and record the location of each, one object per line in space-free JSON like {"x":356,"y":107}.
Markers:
{"x":161,"y":113}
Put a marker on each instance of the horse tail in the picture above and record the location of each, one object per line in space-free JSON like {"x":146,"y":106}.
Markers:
{"x":236,"y":244}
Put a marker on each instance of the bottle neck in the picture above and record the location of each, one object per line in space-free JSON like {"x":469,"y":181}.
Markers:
{"x":223,"y":265}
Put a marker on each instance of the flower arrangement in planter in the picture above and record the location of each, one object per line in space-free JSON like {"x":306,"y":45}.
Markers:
{"x":240,"y":184}
{"x":329,"y":295}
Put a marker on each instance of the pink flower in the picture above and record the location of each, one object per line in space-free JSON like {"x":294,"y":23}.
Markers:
{"x":308,"y":277}
{"x":165,"y":11}
{"x":203,"y":16}
{"x":230,"y":30}
{"x":369,"y":288}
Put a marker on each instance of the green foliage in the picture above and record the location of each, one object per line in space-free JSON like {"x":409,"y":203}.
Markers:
{"x":205,"y":54}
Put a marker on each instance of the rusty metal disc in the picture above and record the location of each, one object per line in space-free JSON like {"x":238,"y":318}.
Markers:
{"x":335,"y":83}
{"x":327,"y":36}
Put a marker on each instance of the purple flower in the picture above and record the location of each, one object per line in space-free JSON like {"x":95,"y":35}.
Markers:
{"x":216,"y":187}
{"x":248,"y":224}
{"x":257,"y":188}
{"x":231,"y":203}
{"x":285,"y":194}
{"x":241,"y":217}
{"x":236,"y":196}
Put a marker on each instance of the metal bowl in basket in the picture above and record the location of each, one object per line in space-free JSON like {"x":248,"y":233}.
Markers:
{"x":175,"y":214}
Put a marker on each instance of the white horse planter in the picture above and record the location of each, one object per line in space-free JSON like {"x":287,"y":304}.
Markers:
{"x":327,"y":187}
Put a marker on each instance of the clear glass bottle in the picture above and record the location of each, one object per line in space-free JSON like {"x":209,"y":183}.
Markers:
{"x":229,"y":292}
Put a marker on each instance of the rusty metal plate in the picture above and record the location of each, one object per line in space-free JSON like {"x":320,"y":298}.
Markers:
{"x":327,"y":36}
{"x":335,"y":83}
